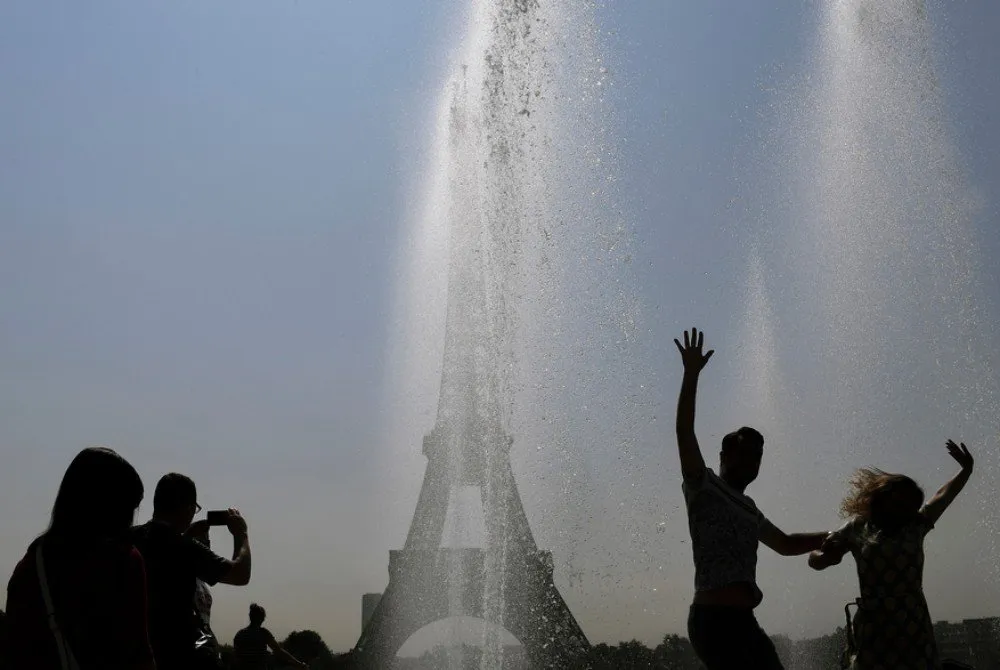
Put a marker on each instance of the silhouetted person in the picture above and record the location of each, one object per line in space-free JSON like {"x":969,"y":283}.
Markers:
{"x":885,"y":533}
{"x":174,"y":563}
{"x":253,"y":642}
{"x":726,"y":527}
{"x":92,"y":575}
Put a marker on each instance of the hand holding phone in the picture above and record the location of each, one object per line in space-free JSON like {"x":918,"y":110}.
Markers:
{"x":236,"y":523}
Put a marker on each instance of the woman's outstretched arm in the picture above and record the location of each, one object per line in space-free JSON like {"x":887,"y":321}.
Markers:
{"x":936,"y":506}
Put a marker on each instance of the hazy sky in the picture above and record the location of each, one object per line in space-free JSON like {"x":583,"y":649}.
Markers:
{"x":201,"y":207}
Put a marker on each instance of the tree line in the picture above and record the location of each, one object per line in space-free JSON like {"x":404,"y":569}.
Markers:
{"x":674,"y":652}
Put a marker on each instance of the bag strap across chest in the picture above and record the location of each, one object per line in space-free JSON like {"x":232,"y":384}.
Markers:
{"x":66,"y":659}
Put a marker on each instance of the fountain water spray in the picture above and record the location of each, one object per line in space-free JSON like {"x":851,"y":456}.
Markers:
{"x":502,"y":195}
{"x":871,"y":257}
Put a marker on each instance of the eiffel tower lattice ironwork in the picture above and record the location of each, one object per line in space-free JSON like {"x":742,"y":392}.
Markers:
{"x":421,"y":589}
{"x":509,"y":582}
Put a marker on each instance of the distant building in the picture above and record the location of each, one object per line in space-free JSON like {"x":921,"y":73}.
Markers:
{"x":369,"y":602}
{"x":975,"y":642}
{"x":952,"y":641}
{"x":972,"y":641}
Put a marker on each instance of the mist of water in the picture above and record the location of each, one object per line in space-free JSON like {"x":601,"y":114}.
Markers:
{"x":866,"y":330}
{"x":512,"y":223}
{"x":869,"y":257}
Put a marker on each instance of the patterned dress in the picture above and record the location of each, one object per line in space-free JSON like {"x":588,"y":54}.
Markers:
{"x":893,"y":628}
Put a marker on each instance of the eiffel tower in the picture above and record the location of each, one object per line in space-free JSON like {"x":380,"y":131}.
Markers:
{"x":508,"y":582}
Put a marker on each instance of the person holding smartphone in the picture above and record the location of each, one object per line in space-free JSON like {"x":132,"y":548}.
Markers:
{"x":175,"y":562}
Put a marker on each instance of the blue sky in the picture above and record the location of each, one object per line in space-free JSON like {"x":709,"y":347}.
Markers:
{"x":200,"y":213}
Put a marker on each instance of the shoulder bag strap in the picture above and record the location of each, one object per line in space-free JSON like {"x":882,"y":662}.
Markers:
{"x":66,"y":658}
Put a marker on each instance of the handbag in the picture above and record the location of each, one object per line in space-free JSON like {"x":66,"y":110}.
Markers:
{"x":850,"y":653}
{"x":66,"y":659}
{"x":206,"y":646}
{"x":206,"y":651}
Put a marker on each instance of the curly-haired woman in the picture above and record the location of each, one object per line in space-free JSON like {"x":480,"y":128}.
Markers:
{"x":888,"y":521}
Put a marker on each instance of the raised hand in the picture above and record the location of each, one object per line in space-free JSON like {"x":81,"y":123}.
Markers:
{"x":960,"y":453}
{"x":691,"y":352}
{"x":936,"y":506}
{"x":236,"y":523}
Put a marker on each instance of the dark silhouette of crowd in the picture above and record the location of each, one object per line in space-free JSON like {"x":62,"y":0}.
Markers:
{"x":93,"y":591}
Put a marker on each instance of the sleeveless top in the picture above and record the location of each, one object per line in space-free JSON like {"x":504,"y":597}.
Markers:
{"x":250,"y":645}
{"x":725,"y":529}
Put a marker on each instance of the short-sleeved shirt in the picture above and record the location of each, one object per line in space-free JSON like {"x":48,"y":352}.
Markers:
{"x":173,"y":564}
{"x":725,"y":529}
{"x":98,"y":592}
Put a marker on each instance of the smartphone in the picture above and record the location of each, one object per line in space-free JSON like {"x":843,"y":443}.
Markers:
{"x":217,"y":517}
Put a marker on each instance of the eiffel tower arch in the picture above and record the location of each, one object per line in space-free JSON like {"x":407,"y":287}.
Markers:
{"x":422,"y":576}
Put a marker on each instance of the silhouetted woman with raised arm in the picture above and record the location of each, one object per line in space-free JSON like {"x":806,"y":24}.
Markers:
{"x":86,"y":572}
{"x":885,"y":533}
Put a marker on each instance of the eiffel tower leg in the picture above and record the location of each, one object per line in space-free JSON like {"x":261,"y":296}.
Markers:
{"x":432,"y":508}
{"x":496,"y":512}
{"x":536,"y":614}
{"x":503,"y":510}
{"x":390,"y":626}
{"x":521,"y":593}
{"x":410,"y":602}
